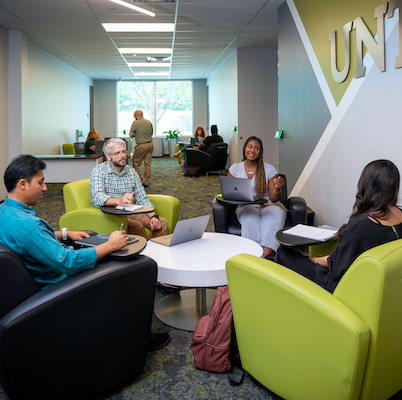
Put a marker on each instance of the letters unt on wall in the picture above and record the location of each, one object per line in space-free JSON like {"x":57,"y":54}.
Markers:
{"x":363,"y":36}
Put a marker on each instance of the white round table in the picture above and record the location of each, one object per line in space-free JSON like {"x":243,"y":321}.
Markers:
{"x":200,"y":264}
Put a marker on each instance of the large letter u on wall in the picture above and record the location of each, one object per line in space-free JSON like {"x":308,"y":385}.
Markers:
{"x":339,"y":77}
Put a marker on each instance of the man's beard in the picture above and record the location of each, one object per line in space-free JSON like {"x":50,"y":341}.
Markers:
{"x":119,"y":163}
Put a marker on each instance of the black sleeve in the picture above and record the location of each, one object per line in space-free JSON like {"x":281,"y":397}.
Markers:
{"x":360,"y":235}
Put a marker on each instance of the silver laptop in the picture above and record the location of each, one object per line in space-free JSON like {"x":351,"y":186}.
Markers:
{"x":185,"y":231}
{"x":238,"y":189}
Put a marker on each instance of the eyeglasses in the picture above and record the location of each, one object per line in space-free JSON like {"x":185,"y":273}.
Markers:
{"x":124,"y":152}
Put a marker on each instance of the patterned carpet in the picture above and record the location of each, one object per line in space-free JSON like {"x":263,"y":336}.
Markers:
{"x":169,"y":373}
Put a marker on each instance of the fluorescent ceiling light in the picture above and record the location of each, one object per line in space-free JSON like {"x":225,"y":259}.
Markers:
{"x":135,"y":50}
{"x":135,"y":8}
{"x":115,"y":27}
{"x":149,"y":65}
{"x":152,"y":73}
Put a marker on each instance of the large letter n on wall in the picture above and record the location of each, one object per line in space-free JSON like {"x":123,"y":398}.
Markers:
{"x":363,"y":35}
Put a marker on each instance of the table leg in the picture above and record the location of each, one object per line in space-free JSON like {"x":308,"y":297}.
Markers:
{"x":185,"y":308}
{"x":201,"y":300}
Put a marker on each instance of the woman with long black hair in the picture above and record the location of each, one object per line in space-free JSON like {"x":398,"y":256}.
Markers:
{"x":375,"y":220}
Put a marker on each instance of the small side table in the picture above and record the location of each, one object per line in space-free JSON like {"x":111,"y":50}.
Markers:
{"x":112,"y":210}
{"x":221,"y":200}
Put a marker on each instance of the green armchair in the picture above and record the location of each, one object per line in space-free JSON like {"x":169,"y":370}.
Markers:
{"x":304,"y":343}
{"x":81,"y":215}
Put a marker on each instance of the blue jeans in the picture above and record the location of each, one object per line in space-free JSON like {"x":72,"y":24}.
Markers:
{"x":184,"y":158}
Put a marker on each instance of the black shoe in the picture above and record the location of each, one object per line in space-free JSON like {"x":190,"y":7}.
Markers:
{"x":158,"y":341}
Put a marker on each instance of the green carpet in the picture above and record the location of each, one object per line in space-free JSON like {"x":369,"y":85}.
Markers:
{"x":169,"y":373}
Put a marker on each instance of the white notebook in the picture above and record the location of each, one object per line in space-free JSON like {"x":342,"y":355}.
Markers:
{"x":129,"y":207}
{"x":311,"y":232}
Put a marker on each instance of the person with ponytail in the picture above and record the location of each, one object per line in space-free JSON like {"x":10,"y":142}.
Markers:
{"x":92,"y":137}
{"x":260,"y":222}
{"x":375,"y":220}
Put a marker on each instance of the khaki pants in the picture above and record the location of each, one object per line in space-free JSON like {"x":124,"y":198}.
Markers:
{"x":143,"y":151}
{"x":138,"y":222}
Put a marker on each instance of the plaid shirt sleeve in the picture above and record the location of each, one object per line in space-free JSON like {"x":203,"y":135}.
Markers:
{"x":96,"y":187}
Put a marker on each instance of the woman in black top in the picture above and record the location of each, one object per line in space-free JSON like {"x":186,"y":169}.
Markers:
{"x":375,"y":220}
{"x":92,"y":137}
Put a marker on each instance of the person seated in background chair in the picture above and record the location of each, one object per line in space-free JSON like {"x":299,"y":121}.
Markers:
{"x":204,"y":145}
{"x":260,"y":222}
{"x":35,"y":241}
{"x":214,"y":138}
{"x":375,"y":220}
{"x":32,"y":238}
{"x":198,"y":134}
{"x":114,"y":183}
{"x":92,"y":137}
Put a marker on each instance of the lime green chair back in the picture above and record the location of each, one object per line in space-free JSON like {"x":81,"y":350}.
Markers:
{"x":68,"y":148}
{"x":304,"y":343}
{"x":76,"y":195}
{"x":168,"y":207}
{"x":80,"y":215}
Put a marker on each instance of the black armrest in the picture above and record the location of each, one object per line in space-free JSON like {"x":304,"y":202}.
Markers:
{"x":16,"y":282}
{"x":199,"y":158}
{"x":220,"y":213}
{"x":86,"y":334}
{"x":298,"y":210}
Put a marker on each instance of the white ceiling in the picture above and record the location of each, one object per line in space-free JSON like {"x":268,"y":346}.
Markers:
{"x":206,"y":32}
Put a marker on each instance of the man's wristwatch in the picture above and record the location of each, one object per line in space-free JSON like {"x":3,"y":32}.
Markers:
{"x":155,"y":216}
{"x":64,"y":233}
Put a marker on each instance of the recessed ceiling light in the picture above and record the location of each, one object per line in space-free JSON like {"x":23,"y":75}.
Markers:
{"x":152,"y":73}
{"x":135,"y":50}
{"x":144,"y":27}
{"x":133,"y":7}
{"x":149,"y":65}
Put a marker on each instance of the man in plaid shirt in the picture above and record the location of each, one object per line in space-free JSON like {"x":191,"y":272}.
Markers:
{"x":114,"y":183}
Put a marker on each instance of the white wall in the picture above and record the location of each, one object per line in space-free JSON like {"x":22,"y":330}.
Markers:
{"x":200,"y":106}
{"x":258,"y":100}
{"x":4,"y":148}
{"x":105,"y":106}
{"x":223,"y":103}
{"x":58,"y":103}
{"x":18,"y":84}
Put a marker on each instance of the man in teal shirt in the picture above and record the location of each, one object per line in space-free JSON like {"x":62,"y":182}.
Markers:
{"x":32,"y":238}
{"x":35,"y":241}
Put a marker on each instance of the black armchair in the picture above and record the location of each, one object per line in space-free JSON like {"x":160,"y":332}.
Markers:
{"x":78,"y":338}
{"x":225,"y":219}
{"x":214,"y":159}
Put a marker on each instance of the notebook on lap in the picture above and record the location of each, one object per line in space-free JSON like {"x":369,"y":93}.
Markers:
{"x":236,"y":189}
{"x":185,"y":231}
{"x":194,"y":141}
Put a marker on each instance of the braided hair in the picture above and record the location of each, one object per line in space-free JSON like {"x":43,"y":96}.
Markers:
{"x":260,"y":178}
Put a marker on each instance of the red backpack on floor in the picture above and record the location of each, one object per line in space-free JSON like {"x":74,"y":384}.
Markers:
{"x":212,"y":335}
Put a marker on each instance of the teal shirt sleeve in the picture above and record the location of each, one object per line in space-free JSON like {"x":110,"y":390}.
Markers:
{"x":50,"y":260}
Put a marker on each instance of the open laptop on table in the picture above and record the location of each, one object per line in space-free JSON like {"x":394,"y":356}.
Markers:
{"x":236,"y":189}
{"x":185,"y":231}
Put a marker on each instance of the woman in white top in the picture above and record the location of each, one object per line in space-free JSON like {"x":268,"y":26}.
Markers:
{"x":260,"y":222}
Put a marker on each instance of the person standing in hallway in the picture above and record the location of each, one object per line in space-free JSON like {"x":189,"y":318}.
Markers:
{"x":142,"y":130}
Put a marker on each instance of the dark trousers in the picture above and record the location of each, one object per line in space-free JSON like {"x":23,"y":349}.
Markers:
{"x":296,"y":261}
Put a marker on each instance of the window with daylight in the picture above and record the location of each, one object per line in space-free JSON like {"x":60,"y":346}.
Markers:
{"x":167,"y":104}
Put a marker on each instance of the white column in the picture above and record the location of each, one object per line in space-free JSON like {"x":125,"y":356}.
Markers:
{"x":18,"y":70}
